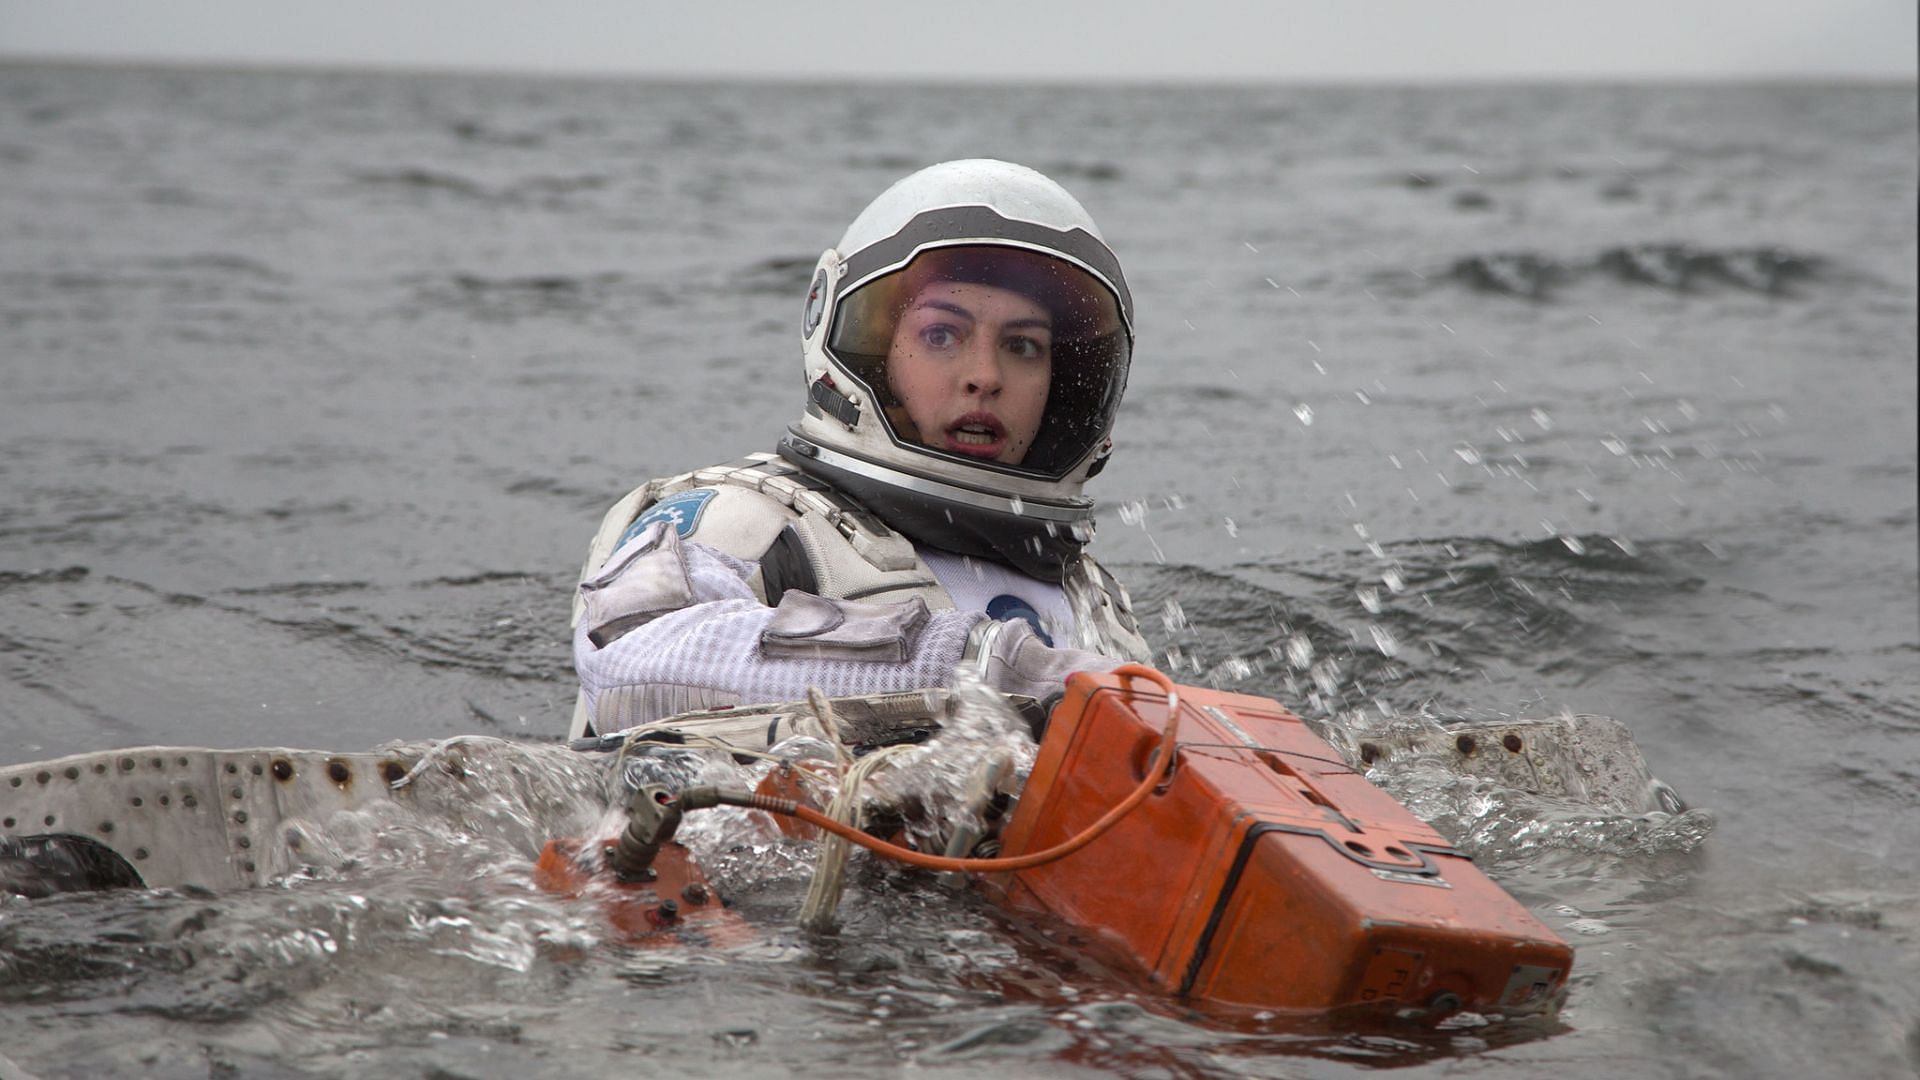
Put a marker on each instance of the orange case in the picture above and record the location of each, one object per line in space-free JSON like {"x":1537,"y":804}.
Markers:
{"x":1266,"y":874}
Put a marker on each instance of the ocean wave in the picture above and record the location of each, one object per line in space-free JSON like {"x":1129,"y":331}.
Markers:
{"x":431,"y":182}
{"x":1402,"y":626}
{"x":1675,"y":267}
{"x":508,"y":299}
{"x":779,"y":275}
{"x":479,"y":131}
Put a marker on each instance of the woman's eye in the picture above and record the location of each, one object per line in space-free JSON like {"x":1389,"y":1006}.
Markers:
{"x":940,"y":337}
{"x":1027,"y":348}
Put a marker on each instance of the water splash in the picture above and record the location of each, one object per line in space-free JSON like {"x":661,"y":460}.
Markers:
{"x":1503,"y":825}
{"x":947,"y":783}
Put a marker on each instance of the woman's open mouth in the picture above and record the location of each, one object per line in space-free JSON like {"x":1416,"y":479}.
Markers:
{"x":977,"y":434}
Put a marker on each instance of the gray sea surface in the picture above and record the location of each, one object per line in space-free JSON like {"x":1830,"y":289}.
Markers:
{"x":1459,"y":403}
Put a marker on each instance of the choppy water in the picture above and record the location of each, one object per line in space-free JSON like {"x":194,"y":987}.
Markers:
{"x":1464,"y":403}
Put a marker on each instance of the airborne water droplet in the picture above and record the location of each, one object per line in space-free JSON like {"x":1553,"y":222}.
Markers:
{"x":1541,"y":419}
{"x":1305,"y":412}
{"x":1019,"y":508}
{"x":1299,"y":651}
{"x":1395,"y":581}
{"x":1383,"y":640}
{"x":1326,"y":676}
{"x":1614,"y":445}
{"x":1369,"y":598}
{"x":1232,"y":529}
{"x":1574,"y":545}
{"x":1173,"y":616}
{"x":1467,"y":453}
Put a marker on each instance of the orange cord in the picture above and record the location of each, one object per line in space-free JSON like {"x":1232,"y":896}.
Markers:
{"x":1017,"y":862}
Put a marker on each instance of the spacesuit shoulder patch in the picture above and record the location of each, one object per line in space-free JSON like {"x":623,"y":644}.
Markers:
{"x":681,"y":510}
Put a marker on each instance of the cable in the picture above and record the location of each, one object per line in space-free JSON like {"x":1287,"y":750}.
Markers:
{"x":698,"y":798}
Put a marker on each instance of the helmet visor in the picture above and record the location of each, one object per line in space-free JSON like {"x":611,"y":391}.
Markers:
{"x":991,"y":355}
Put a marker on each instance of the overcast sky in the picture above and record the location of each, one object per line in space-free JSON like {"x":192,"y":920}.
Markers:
{"x":1275,"y":40}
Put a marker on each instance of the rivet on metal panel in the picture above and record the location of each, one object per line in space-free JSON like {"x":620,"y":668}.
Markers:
{"x":282,"y":769}
{"x":1464,"y":744}
{"x":393,"y":772}
{"x":338,"y":770}
{"x":1512,"y":743}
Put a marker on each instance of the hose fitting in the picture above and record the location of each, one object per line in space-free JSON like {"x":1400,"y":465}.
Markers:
{"x":653,"y":814}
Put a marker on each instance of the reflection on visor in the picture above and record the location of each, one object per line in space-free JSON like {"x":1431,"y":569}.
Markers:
{"x":994,"y":355}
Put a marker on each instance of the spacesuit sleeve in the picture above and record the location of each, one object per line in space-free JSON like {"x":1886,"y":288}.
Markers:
{"x":669,"y":625}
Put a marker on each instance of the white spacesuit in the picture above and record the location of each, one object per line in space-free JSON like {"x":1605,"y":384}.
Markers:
{"x":966,"y":346}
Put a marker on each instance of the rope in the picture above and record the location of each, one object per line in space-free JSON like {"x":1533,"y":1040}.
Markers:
{"x":829,"y":868}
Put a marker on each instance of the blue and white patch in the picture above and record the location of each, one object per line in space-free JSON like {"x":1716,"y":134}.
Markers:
{"x":1006,"y":607}
{"x":682,"y":511}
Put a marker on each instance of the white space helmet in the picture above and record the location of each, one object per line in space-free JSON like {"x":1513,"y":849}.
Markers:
{"x":966,"y":347}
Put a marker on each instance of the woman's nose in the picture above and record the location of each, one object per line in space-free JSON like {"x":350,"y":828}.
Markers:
{"x":982,"y":368}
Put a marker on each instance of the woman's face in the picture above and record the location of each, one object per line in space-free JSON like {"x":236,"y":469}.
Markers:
{"x":971,"y":364}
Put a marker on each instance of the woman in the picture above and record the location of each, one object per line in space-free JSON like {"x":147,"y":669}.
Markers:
{"x":965,"y":346}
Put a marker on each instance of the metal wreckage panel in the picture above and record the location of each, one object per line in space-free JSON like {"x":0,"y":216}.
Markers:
{"x":224,"y":818}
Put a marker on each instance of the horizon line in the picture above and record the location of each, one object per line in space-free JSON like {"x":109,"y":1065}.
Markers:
{"x":796,"y":77}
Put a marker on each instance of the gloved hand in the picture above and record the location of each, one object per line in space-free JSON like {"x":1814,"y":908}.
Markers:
{"x":1009,"y":657}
